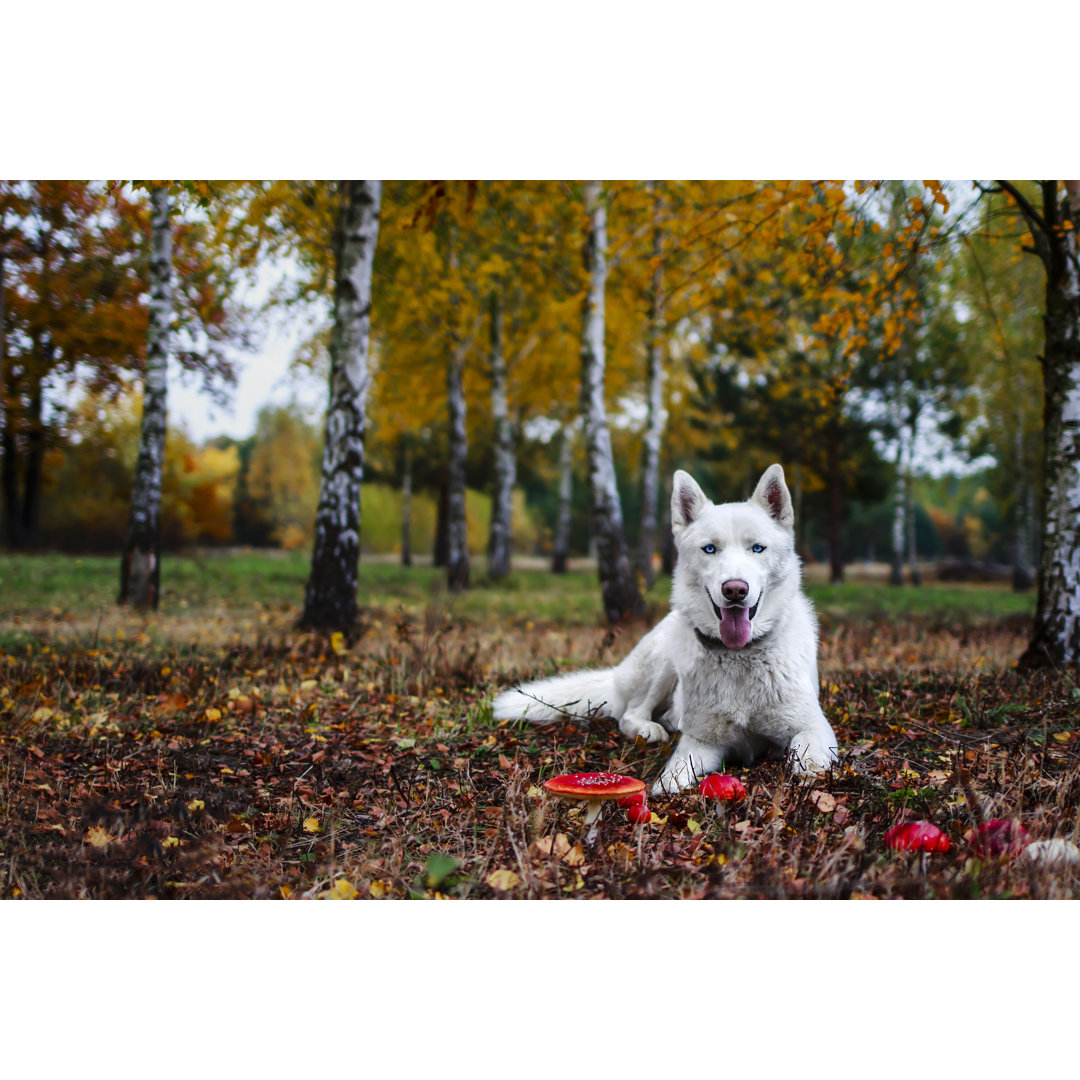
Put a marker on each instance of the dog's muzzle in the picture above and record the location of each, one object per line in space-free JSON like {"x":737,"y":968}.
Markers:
{"x":735,"y":620}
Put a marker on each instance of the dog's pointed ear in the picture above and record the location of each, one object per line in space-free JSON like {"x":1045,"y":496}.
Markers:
{"x":772,"y":495}
{"x":687,"y":501}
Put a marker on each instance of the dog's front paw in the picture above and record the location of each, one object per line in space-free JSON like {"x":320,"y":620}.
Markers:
{"x":808,"y":754}
{"x":666,"y":785}
{"x":632,"y":728}
{"x":674,"y":780}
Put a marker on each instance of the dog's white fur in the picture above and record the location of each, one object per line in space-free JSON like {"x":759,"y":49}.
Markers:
{"x":728,"y":703}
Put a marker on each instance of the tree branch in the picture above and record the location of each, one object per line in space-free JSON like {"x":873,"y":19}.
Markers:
{"x":1026,"y":208}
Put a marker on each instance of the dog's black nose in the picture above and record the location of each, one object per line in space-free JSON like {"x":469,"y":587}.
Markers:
{"x":735,"y":590}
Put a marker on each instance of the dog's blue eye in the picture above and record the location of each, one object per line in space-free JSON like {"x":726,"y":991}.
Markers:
{"x":709,"y":549}
{"x":757,"y":549}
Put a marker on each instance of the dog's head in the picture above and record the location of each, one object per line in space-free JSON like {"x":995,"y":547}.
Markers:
{"x":732,"y":556}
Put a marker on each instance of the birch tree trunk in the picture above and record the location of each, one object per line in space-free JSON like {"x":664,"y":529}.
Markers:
{"x":896,"y":572}
{"x":618,"y":588}
{"x":406,"y":501}
{"x":654,"y":424}
{"x":8,"y":477}
{"x":561,"y":553}
{"x":909,"y":503}
{"x":330,"y":596}
{"x":1056,"y":637}
{"x":140,"y":566}
{"x":505,"y":462}
{"x":457,"y":538}
{"x":35,"y":458}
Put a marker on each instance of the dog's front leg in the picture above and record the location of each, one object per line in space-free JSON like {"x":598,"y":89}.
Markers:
{"x":653,"y":691}
{"x":690,"y":762}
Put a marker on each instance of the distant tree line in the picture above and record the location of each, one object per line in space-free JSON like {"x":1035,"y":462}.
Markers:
{"x":632,"y":327}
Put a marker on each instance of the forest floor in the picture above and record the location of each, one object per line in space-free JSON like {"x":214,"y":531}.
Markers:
{"x":211,"y":751}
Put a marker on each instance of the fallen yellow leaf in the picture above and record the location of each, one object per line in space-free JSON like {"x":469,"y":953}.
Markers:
{"x":212,"y":714}
{"x":196,"y":804}
{"x":170,"y":841}
{"x":503,"y":880}
{"x":544,"y":845}
{"x":337,"y":643}
{"x":342,"y":889}
{"x":285,"y":891}
{"x":312,"y":825}
{"x":96,"y":836}
{"x":378,"y":889}
{"x":692,"y":827}
{"x":575,"y":856}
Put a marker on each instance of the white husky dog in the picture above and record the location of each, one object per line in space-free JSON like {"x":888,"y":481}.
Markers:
{"x":733,"y":667}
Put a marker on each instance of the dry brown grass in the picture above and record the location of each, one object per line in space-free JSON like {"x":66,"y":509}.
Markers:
{"x":212,"y":757}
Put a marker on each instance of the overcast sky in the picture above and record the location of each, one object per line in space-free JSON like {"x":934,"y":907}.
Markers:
{"x":263,"y":377}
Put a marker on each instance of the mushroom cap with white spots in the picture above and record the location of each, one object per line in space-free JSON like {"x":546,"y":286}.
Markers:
{"x":596,"y":785}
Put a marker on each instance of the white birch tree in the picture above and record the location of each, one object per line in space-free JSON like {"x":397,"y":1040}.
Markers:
{"x":140,"y":565}
{"x":457,"y":535}
{"x":617,"y":585}
{"x":498,"y":565}
{"x":1055,"y":638}
{"x":330,"y":596}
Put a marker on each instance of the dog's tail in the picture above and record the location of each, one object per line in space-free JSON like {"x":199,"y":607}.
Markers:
{"x":578,"y":694}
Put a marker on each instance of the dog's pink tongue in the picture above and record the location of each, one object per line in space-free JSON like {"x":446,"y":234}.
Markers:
{"x":735,"y":627}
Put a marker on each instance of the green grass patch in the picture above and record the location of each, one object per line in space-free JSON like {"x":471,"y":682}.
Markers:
{"x":946,"y":603}
{"x":234,"y":581}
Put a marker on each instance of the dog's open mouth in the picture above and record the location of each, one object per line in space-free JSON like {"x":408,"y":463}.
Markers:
{"x":735,"y":628}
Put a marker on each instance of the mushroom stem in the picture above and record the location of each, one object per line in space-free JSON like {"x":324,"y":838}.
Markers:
{"x":592,"y":818}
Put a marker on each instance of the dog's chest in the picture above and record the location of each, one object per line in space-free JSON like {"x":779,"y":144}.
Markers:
{"x":741,"y":690}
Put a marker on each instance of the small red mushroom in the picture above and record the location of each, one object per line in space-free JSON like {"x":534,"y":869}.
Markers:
{"x":997,"y":838}
{"x":593,"y":789}
{"x":639,"y":815}
{"x":917,"y":836}
{"x":722,"y":788}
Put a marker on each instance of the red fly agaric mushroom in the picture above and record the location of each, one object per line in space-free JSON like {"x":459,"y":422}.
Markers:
{"x":639,"y":814}
{"x":916,"y":836}
{"x":593,"y":788}
{"x":723,"y":788}
{"x":997,"y":838}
